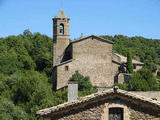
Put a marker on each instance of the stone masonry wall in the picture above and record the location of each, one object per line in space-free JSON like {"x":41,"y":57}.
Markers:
{"x":138,"y":67}
{"x":91,"y":58}
{"x":60,"y":41}
{"x":100,"y":111}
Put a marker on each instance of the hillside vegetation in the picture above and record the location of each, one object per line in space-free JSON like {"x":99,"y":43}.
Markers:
{"x":26,"y":72}
{"x":142,"y":49}
{"x":26,"y":75}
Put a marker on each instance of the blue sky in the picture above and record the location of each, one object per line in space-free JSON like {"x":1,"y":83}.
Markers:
{"x":98,"y":17}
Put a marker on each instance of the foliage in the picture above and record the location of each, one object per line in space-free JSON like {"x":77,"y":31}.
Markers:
{"x":129,"y":63}
{"x":84,"y":85}
{"x":145,"y":50}
{"x":137,"y":83}
{"x":122,"y":86}
{"x":142,"y":80}
{"x":26,"y":70}
{"x":8,"y":111}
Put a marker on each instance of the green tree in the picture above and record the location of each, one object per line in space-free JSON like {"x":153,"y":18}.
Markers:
{"x":3,"y":83}
{"x":137,"y":83}
{"x":149,"y":78}
{"x":84,"y":85}
{"x":8,"y":111}
{"x":129,"y":63}
{"x":143,"y":80}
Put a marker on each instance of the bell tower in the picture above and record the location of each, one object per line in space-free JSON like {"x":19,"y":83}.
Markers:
{"x":60,"y":36}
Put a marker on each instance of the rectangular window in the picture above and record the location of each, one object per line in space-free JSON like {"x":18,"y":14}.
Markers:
{"x":116,"y":114}
{"x":66,"y":68}
{"x":134,"y":66}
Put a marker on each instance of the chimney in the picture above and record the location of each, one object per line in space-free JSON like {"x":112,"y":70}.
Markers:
{"x":72,"y":90}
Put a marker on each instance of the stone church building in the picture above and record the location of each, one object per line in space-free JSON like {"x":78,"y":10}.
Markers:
{"x":92,"y":56}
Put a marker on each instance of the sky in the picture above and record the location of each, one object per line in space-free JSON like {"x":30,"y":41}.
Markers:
{"x":97,"y":17}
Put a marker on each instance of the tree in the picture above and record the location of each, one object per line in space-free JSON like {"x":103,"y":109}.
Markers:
{"x":3,"y":83}
{"x":137,"y":83}
{"x":41,"y":52}
{"x":84,"y":85}
{"x":8,"y":111}
{"x":149,"y":78}
{"x":129,"y":63}
{"x":143,"y":80}
{"x":27,"y":34}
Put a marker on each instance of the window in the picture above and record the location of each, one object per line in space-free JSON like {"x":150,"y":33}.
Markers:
{"x":116,"y":114}
{"x":66,"y":68}
{"x":61,"y":27}
{"x":134,"y":66}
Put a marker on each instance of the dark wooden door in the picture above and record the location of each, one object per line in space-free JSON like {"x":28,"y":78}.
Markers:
{"x":116,"y":114}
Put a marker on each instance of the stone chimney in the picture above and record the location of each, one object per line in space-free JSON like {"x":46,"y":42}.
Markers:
{"x":72,"y":90}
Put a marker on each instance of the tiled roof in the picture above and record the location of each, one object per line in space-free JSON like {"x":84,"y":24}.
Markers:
{"x":96,"y":96}
{"x":124,"y":59}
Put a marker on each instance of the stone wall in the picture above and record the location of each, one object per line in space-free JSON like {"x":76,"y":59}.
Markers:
{"x":60,"y":42}
{"x":123,"y":78}
{"x":91,"y":58}
{"x":115,"y":68}
{"x":63,"y":75}
{"x":138,"y":67}
{"x":99,"y":110}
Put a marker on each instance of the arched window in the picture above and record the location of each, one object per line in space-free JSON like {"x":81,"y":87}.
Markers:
{"x":61,"y":27}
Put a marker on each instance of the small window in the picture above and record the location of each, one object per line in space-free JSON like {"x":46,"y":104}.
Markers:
{"x":66,"y":68}
{"x":61,"y":27}
{"x":134,"y":66}
{"x":116,"y":114}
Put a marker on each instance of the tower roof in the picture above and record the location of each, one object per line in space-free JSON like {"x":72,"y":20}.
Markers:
{"x":61,"y":14}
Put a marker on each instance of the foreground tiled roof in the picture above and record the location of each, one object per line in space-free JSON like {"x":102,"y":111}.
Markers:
{"x":95,"y":96}
{"x":149,"y":94}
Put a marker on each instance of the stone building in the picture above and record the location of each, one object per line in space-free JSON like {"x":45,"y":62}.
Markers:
{"x":92,"y":56}
{"x":113,"y":104}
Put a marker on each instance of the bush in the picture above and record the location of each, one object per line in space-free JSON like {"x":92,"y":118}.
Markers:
{"x":8,"y":111}
{"x":122,"y":86}
{"x":84,"y":85}
{"x":143,"y":80}
{"x":129,"y":63}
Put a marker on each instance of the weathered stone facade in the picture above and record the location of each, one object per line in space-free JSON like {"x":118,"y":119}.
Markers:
{"x":90,"y":60}
{"x":60,"y":36}
{"x":92,"y":56}
{"x":97,"y":107}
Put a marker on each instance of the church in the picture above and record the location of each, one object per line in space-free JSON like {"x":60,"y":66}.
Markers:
{"x":91,"y":56}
